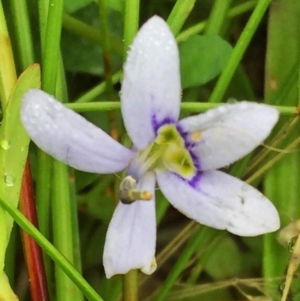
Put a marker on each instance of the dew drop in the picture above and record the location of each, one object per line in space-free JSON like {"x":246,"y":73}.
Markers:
{"x":5,"y":144}
{"x":57,"y":106}
{"x":244,"y":105}
{"x":222,"y":109}
{"x":244,"y":187}
{"x":9,"y":179}
{"x":231,"y":100}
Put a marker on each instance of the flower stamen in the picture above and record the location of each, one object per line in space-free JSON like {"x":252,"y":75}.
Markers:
{"x":128,"y":192}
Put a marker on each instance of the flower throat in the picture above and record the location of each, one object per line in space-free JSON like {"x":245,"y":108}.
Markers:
{"x":166,"y":152}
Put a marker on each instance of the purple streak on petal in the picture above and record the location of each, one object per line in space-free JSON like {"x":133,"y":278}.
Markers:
{"x":157,"y":124}
{"x":189,"y":146}
{"x":194,"y":182}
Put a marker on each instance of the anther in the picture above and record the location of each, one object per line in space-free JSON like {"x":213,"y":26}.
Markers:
{"x":128,"y":192}
{"x":196,"y":136}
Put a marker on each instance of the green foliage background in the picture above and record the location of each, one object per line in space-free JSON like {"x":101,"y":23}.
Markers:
{"x":229,"y":50}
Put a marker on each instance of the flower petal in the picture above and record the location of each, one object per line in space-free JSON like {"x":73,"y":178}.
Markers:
{"x":151,"y":85}
{"x":131,"y":235}
{"x":221,"y":201}
{"x":225,"y":134}
{"x":70,"y":138}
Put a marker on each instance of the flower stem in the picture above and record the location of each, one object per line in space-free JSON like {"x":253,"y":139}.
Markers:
{"x":130,"y":286}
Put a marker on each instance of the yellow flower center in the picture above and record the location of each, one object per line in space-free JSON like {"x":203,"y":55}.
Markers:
{"x":168,"y":152}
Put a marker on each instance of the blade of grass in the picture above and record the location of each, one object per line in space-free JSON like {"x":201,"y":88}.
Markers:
{"x":217,"y":17}
{"x":232,"y":13}
{"x":282,"y":34}
{"x":62,"y":231}
{"x":201,"y":237}
{"x":57,"y":257}
{"x":22,"y":32}
{"x":179,"y":14}
{"x":131,"y":23}
{"x":239,"y":51}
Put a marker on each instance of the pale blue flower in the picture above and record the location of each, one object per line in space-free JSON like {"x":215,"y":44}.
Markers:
{"x":182,"y":156}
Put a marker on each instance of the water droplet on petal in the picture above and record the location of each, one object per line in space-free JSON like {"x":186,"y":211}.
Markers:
{"x":244,"y":187}
{"x":5,"y":144}
{"x":9,"y":179}
{"x":244,"y":105}
{"x":57,"y":106}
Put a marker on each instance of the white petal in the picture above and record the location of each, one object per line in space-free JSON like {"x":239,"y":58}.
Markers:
{"x":225,"y":134}
{"x":131,"y":235}
{"x":70,"y":138}
{"x":221,"y":201}
{"x":151,"y":85}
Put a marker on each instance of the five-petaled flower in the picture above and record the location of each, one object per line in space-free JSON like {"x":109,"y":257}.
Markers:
{"x":182,"y":156}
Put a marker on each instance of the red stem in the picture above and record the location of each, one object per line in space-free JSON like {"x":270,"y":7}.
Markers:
{"x":33,"y":252}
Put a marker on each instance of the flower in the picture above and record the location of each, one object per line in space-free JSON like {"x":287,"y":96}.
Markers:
{"x":182,"y":156}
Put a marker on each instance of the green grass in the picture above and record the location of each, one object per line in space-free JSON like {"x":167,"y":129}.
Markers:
{"x":246,"y":49}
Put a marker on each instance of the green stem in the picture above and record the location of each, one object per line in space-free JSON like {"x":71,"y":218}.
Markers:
{"x":190,"y":107}
{"x":98,"y":90}
{"x":62,"y":230}
{"x":131,"y":23}
{"x":51,"y":46}
{"x":22,"y":32}
{"x":217,"y":17}
{"x":179,"y":14}
{"x":74,"y":222}
{"x":239,"y":51}
{"x":106,"y":50}
{"x":57,"y":257}
{"x":130,"y":286}
{"x":43,"y":199}
{"x":43,"y":6}
{"x":91,"y":33}
{"x":232,"y":13}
